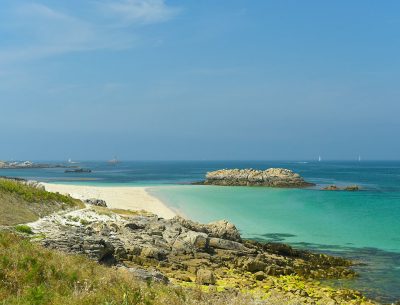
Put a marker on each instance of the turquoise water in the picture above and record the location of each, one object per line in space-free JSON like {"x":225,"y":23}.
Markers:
{"x":364,"y":226}
{"x":310,"y":216}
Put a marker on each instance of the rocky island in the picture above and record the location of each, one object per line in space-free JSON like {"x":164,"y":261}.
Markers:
{"x":272,"y":177}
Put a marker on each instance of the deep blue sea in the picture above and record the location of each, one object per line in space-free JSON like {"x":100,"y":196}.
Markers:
{"x":364,"y":225}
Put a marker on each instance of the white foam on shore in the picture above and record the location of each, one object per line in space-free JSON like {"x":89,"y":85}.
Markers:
{"x":118,"y":197}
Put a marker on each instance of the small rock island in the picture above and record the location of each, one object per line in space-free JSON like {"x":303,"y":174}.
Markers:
{"x":272,"y":177}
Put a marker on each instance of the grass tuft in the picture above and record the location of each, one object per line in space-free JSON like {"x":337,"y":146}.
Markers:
{"x":23,"y":229}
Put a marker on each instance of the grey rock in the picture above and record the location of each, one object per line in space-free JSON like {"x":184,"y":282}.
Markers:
{"x":220,"y":243}
{"x":96,"y":202}
{"x":254,"y":265}
{"x":148,"y":275}
{"x":272,"y":177}
{"x":219,"y":229}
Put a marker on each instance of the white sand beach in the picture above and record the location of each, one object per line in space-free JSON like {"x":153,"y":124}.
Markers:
{"x":124,"y":197}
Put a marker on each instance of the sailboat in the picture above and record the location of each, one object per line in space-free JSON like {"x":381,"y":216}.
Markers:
{"x":359,"y":158}
{"x":113,"y":161}
{"x":319,"y":159}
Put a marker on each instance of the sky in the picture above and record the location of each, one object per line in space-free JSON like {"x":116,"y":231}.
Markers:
{"x":199,"y":80}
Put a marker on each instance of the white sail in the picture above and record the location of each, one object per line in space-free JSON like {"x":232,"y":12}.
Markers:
{"x":113,"y":161}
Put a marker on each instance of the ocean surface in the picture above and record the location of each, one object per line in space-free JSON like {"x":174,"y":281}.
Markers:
{"x":364,"y":225}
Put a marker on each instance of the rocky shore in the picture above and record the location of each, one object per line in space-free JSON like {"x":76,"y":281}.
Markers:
{"x":272,"y":177}
{"x":27,"y":164}
{"x":186,"y":253}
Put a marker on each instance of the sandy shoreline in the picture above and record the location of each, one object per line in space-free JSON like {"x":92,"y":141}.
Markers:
{"x":119,"y":197}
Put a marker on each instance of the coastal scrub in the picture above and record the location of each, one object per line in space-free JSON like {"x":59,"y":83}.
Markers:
{"x":21,"y":202}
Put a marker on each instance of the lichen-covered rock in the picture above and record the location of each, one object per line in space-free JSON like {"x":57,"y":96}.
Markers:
{"x":205,"y":277}
{"x":272,"y":177}
{"x":254,"y":265}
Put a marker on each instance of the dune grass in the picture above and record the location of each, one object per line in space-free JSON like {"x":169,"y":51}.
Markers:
{"x":33,"y":194}
{"x":21,"y":203}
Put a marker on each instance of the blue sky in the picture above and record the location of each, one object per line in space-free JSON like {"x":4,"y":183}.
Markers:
{"x":154,"y":79}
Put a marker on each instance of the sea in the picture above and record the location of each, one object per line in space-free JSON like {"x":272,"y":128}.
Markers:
{"x":363,"y":226}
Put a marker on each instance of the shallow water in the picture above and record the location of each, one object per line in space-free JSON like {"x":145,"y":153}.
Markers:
{"x":361,"y":225}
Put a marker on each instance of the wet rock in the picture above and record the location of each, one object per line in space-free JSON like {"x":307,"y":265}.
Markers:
{"x":331,"y":188}
{"x":352,"y":188}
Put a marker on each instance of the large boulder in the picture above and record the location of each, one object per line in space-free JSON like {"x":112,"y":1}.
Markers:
{"x":220,"y":229}
{"x":224,"y":229}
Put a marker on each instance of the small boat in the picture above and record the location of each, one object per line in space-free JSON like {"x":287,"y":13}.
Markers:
{"x":71,"y":162}
{"x":113,"y":161}
{"x":78,"y":170}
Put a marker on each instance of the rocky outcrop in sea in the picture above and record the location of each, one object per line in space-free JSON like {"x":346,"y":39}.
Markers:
{"x":272,"y":177}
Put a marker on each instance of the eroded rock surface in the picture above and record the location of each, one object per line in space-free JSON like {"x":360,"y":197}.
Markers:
{"x":177,"y":244}
{"x":272,"y":177}
{"x":186,"y":252}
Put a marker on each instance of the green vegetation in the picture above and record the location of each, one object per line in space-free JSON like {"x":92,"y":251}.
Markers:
{"x":24,"y":229}
{"x":33,"y":194}
{"x":30,"y":274}
{"x":21,"y":203}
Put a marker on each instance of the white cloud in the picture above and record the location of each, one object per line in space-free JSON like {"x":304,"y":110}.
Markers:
{"x":131,"y":12}
{"x":43,"y":31}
